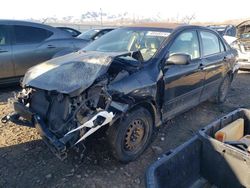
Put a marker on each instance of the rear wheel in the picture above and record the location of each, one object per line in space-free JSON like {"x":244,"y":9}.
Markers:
{"x":224,"y":89}
{"x":131,"y":136}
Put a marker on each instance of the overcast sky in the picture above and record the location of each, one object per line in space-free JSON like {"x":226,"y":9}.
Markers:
{"x":209,"y":10}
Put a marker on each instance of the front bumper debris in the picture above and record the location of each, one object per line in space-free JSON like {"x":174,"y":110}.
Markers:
{"x":100,"y":119}
{"x":30,"y":119}
{"x":20,"y":111}
{"x":25,"y":117}
{"x":57,"y":146}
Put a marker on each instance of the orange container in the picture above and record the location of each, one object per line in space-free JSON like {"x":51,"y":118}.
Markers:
{"x":232,"y":132}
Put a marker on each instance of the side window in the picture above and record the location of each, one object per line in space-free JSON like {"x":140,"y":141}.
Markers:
{"x":3,"y":36}
{"x":27,"y":34}
{"x":222,"y":48}
{"x":210,"y":43}
{"x":187,"y":43}
{"x":101,"y":34}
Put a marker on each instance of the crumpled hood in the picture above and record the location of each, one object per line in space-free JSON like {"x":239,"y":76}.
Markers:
{"x":69,"y":73}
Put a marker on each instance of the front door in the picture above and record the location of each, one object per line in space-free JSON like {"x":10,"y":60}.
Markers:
{"x":183,"y":83}
{"x":6,"y":64}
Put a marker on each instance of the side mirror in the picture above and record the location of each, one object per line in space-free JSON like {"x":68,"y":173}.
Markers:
{"x":178,"y":59}
{"x":96,"y":37}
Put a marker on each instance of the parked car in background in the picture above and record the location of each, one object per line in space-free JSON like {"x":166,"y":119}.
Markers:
{"x":88,"y":36}
{"x":93,"y":34}
{"x":131,"y":80}
{"x":228,"y":30}
{"x":239,"y":38}
{"x":242,"y":44}
{"x":25,"y":44}
{"x":73,"y":32}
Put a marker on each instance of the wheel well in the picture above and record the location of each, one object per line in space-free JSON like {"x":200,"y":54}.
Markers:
{"x":148,"y":106}
{"x":230,"y":74}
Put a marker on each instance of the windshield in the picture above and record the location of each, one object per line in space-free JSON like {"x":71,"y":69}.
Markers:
{"x":145,"y":40}
{"x":88,"y":34}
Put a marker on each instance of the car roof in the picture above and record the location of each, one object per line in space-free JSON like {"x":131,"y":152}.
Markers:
{"x":63,"y":27}
{"x":170,"y":27}
{"x":246,"y":22}
{"x":35,"y":24}
{"x":22,"y":22}
{"x":160,"y":29}
{"x":102,"y":28}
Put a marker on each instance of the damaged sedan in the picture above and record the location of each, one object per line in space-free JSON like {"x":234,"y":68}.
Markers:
{"x":130,"y":81}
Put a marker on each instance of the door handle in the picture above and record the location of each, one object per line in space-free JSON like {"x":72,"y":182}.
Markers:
{"x":226,"y":58}
{"x":201,"y":66}
{"x":3,"y":51}
{"x":51,"y":46}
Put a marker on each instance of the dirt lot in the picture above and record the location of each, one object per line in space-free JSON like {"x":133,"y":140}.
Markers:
{"x":25,"y":161}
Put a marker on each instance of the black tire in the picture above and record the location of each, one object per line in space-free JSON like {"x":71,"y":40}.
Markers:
{"x":129,"y":137}
{"x":223,"y":89}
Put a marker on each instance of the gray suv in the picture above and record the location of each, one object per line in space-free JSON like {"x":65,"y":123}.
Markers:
{"x":24,"y":44}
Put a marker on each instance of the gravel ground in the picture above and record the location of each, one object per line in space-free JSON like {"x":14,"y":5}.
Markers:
{"x":25,"y":161}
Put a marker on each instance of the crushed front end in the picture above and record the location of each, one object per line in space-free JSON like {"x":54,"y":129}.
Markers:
{"x":61,"y":120}
{"x":67,"y":107}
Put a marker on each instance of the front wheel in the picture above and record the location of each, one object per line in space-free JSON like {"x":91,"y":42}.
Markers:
{"x":131,"y":135}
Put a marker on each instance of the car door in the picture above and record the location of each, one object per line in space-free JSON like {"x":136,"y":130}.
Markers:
{"x":6,"y":64}
{"x":183,"y":83}
{"x":27,"y":49}
{"x":214,"y":56}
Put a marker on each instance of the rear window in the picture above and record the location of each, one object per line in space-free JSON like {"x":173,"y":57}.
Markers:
{"x":210,"y":43}
{"x":27,"y":34}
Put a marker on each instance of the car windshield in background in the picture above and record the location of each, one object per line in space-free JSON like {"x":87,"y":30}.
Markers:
{"x":220,"y":30}
{"x":88,"y":34}
{"x":228,"y":30}
{"x":245,"y":36}
{"x":145,"y":40}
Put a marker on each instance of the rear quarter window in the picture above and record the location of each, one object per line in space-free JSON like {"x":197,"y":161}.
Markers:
{"x":27,"y":34}
{"x":222,"y":48}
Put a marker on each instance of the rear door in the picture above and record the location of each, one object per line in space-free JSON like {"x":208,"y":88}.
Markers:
{"x":183,"y":83}
{"x":25,"y":48}
{"x":6,"y":64}
{"x":214,"y":55}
